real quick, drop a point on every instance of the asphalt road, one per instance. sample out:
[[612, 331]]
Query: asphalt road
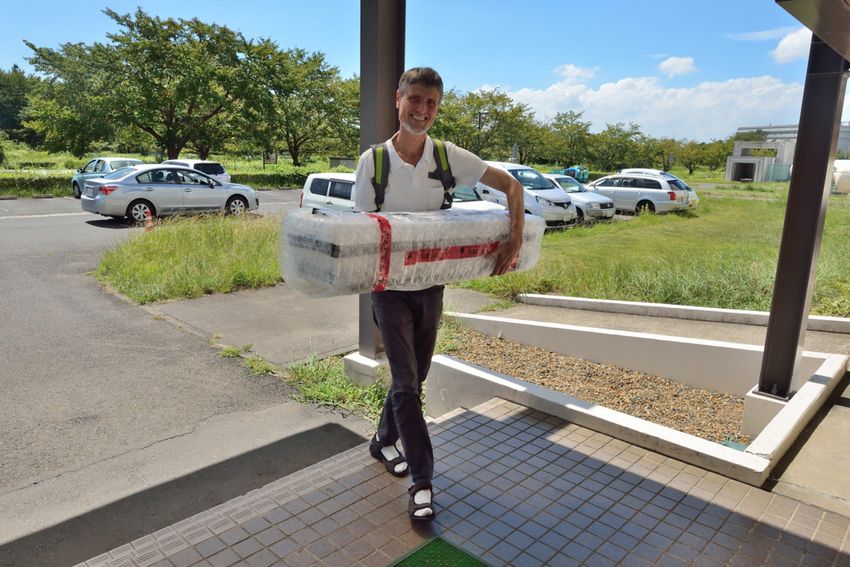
[[101, 399]]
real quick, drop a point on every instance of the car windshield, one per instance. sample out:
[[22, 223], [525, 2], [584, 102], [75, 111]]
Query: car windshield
[[532, 180], [122, 163], [570, 185], [210, 168], [119, 173], [465, 195]]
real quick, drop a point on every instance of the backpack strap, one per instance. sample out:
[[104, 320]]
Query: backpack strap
[[381, 161], [443, 172]]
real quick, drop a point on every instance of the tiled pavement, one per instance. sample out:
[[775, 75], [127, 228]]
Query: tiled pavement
[[514, 487]]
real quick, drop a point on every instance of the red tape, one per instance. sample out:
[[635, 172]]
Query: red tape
[[385, 249], [449, 253]]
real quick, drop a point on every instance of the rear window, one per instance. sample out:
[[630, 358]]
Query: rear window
[[210, 168], [319, 187], [678, 184], [118, 164], [341, 189], [118, 173]]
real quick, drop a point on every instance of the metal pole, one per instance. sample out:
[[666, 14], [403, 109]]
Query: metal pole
[[381, 65], [817, 137]]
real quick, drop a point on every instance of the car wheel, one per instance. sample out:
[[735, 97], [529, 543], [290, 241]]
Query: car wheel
[[137, 211], [645, 207], [236, 206], [579, 216], [77, 192]]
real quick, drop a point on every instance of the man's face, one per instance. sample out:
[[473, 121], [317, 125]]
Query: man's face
[[417, 108]]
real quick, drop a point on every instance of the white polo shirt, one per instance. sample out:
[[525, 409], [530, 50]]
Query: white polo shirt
[[409, 189]]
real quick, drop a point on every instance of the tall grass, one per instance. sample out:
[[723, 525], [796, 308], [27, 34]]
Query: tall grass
[[190, 257], [723, 256]]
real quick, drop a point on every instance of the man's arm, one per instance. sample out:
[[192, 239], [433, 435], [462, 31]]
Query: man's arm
[[502, 181]]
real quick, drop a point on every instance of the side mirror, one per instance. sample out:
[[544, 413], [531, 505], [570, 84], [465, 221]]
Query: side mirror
[[80, 170]]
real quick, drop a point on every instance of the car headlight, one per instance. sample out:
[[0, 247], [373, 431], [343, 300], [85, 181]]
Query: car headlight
[[543, 201], [593, 205]]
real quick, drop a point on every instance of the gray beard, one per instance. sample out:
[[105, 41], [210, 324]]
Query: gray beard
[[412, 130]]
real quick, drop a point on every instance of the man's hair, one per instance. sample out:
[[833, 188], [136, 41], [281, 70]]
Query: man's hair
[[421, 76]]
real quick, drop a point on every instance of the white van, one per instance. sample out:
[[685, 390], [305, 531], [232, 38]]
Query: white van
[[336, 191]]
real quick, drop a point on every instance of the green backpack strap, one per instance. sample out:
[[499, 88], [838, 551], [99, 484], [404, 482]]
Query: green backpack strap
[[381, 161], [443, 172]]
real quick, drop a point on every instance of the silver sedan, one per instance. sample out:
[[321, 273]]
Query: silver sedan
[[163, 190]]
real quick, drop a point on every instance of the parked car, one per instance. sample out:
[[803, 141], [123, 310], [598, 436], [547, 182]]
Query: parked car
[[693, 198], [211, 168], [335, 191], [639, 192], [98, 167], [589, 204], [162, 190], [542, 196], [841, 176]]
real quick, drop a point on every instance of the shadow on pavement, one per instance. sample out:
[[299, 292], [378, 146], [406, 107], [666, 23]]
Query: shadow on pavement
[[108, 223], [110, 526]]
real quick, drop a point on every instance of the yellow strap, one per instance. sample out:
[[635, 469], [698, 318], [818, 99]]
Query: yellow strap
[[379, 164], [444, 160]]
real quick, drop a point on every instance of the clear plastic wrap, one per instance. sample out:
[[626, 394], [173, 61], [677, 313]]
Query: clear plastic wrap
[[330, 252]]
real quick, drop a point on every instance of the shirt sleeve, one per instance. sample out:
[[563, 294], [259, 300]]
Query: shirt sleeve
[[364, 192], [467, 168]]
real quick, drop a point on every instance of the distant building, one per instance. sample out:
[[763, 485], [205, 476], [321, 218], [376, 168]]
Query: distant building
[[760, 161], [781, 133], [771, 160]]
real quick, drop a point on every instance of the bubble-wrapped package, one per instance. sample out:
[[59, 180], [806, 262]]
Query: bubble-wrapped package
[[326, 252]]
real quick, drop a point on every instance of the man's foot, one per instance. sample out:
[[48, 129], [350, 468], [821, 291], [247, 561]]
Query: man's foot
[[420, 507], [393, 461]]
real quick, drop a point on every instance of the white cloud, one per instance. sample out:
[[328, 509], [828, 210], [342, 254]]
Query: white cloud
[[677, 66], [793, 46], [713, 109], [571, 71], [763, 35]]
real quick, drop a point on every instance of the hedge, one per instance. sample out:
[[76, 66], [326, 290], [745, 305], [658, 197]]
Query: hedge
[[34, 183]]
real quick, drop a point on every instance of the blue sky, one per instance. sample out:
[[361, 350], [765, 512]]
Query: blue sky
[[696, 69]]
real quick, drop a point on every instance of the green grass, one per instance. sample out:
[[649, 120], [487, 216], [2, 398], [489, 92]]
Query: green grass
[[722, 256], [192, 256], [323, 381]]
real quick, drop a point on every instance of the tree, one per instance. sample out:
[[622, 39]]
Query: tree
[[300, 103], [692, 155], [174, 80], [716, 153], [758, 135], [15, 85], [487, 122], [68, 109], [571, 142], [613, 147]]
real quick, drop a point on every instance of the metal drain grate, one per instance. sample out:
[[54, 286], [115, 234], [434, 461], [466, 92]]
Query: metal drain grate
[[439, 553]]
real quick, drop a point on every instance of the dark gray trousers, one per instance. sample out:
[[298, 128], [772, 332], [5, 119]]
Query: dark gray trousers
[[408, 321]]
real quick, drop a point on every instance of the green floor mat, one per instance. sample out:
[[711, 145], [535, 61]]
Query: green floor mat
[[439, 553]]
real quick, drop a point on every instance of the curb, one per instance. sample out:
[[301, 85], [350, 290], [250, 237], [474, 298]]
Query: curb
[[737, 316]]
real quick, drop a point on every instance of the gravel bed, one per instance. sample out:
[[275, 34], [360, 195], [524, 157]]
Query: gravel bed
[[711, 415]]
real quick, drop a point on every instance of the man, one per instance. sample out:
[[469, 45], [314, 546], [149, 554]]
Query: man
[[408, 319]]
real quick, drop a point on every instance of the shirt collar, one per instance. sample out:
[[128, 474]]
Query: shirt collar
[[425, 160]]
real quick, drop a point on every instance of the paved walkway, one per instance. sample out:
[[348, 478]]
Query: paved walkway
[[514, 487]]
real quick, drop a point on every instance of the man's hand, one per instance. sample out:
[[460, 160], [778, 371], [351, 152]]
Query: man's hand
[[506, 254]]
